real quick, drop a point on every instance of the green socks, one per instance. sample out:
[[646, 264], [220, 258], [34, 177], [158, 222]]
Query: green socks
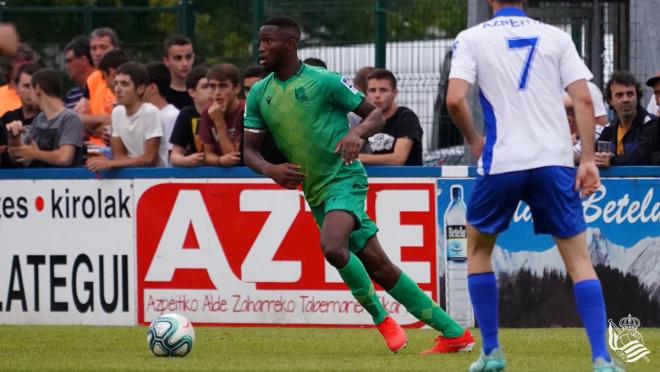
[[356, 278], [408, 293]]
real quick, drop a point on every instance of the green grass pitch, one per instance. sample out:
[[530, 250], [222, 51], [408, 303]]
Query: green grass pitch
[[80, 348]]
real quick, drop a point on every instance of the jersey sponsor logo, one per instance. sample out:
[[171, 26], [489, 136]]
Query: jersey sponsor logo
[[347, 83]]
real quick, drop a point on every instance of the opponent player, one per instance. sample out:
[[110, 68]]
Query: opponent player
[[522, 67], [305, 109]]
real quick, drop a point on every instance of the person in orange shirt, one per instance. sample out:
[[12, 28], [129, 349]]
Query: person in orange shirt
[[9, 99], [99, 100]]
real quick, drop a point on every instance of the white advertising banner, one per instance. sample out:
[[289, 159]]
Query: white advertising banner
[[247, 252], [68, 252]]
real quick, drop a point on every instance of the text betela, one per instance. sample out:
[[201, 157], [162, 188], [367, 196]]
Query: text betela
[[240, 303]]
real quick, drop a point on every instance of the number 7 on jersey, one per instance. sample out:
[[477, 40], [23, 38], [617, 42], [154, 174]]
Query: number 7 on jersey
[[520, 44]]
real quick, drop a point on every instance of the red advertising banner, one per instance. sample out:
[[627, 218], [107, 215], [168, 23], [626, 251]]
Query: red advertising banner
[[249, 253]]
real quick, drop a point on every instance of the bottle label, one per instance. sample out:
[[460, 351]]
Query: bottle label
[[456, 242]]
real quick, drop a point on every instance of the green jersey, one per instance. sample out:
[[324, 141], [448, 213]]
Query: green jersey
[[307, 116]]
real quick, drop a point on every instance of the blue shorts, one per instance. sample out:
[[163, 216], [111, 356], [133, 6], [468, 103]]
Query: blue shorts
[[549, 191]]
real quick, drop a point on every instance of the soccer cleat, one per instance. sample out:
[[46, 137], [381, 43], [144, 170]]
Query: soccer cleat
[[394, 335], [445, 345], [601, 365], [494, 362]]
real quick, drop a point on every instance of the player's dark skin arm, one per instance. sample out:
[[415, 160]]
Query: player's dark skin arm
[[372, 123], [285, 175]]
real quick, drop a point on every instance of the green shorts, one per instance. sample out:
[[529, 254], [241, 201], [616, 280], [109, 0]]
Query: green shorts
[[349, 195]]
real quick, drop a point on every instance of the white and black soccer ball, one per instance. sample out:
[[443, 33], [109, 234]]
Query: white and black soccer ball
[[171, 335]]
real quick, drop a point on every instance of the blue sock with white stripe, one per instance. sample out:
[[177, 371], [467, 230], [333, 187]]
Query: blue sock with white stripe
[[591, 307], [483, 294]]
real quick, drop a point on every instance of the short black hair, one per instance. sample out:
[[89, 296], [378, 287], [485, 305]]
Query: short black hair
[[28, 69], [624, 78], [284, 22], [48, 80], [80, 48], [112, 60], [136, 71], [176, 39], [196, 74], [254, 71], [315, 62], [159, 75], [382, 74]]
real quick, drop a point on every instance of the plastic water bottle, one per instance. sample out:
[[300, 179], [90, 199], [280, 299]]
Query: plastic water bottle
[[458, 299]]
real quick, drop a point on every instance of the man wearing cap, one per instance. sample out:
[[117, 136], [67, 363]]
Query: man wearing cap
[[654, 107]]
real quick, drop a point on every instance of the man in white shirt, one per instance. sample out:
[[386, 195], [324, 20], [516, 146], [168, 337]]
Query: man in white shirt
[[159, 81], [137, 132], [522, 66]]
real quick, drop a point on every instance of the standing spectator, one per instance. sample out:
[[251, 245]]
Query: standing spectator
[[360, 82], [222, 123], [159, 82], [55, 137], [251, 75], [187, 149], [25, 114], [654, 83], [654, 103], [9, 99], [631, 131], [317, 62], [79, 66], [98, 100], [137, 133], [179, 59], [400, 141]]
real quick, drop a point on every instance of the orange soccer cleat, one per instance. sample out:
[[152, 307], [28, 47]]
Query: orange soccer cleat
[[445, 345], [394, 335]]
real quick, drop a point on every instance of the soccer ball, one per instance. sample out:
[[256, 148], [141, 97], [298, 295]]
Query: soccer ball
[[170, 335]]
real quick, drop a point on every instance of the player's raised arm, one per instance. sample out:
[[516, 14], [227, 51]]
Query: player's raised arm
[[459, 109]]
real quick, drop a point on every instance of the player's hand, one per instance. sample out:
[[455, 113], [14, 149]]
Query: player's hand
[[349, 147], [587, 180], [217, 112], [99, 163], [230, 159], [602, 159], [286, 175], [195, 160], [15, 128], [477, 146]]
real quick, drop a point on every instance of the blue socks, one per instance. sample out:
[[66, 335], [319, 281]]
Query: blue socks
[[483, 294], [591, 307]]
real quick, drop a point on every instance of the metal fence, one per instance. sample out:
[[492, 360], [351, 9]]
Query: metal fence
[[410, 37]]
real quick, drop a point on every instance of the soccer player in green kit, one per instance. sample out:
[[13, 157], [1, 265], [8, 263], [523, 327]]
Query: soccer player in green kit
[[305, 110]]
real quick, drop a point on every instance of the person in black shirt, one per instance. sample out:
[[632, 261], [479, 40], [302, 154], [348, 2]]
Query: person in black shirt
[[25, 114], [187, 150], [179, 58], [400, 141]]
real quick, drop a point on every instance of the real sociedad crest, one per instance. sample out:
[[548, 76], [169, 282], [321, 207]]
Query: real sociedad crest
[[626, 341]]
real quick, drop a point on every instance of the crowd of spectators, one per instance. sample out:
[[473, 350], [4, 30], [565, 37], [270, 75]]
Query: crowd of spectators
[[120, 113]]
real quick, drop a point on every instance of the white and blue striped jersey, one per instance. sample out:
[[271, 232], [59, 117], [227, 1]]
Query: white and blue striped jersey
[[522, 68]]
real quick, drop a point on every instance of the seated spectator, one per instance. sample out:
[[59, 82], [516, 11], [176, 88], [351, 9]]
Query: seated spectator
[[600, 116], [25, 114], [269, 149], [137, 132], [159, 82], [400, 141], [631, 131], [79, 66], [55, 137], [315, 62], [221, 127], [187, 150], [179, 58], [9, 99]]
